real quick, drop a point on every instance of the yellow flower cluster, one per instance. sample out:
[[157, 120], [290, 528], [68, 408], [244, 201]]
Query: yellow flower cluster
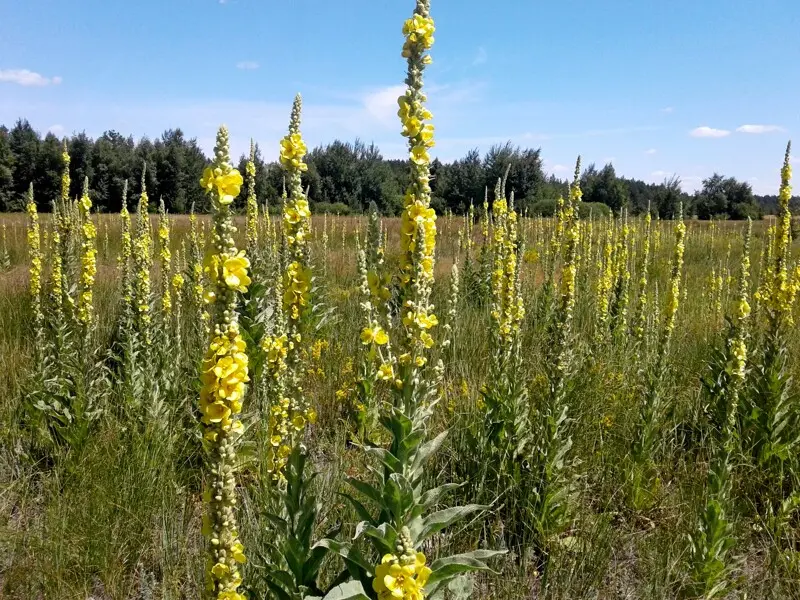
[[296, 290], [275, 349], [142, 261], [419, 32], [166, 257], [571, 233], [402, 577], [293, 150], [230, 272], [674, 291], [508, 309], [640, 321], [35, 253], [252, 203], [88, 262], [56, 275], [779, 290], [223, 375], [605, 281], [226, 184], [65, 179], [126, 250]]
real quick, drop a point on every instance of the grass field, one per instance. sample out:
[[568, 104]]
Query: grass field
[[115, 513], [490, 406]]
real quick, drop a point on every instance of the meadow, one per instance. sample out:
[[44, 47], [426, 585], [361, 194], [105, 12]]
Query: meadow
[[491, 405]]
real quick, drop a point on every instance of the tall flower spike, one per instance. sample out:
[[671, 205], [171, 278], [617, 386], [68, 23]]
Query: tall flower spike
[[252, 202], [290, 410], [126, 250], [165, 256], [35, 284], [418, 221], [223, 375], [674, 292], [142, 261], [88, 262]]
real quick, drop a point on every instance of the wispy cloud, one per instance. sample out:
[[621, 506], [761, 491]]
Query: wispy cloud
[[558, 168], [759, 128], [661, 174], [709, 132], [481, 57], [27, 78], [56, 129], [668, 110], [650, 151], [247, 65], [382, 103]]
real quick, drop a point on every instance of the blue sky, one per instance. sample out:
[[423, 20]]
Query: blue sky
[[657, 87]]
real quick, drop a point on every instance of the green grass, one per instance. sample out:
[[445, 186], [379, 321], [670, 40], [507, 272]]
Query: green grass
[[119, 518]]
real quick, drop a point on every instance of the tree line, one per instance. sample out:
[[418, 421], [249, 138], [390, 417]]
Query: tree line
[[342, 177]]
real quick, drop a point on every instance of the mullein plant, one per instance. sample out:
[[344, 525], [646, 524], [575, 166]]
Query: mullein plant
[[291, 412], [223, 375], [505, 430], [196, 281], [35, 276], [639, 321], [549, 512], [618, 309], [605, 282], [294, 562], [88, 262], [401, 525], [165, 265], [772, 411], [252, 203], [710, 544], [65, 229], [142, 265], [377, 362], [643, 481]]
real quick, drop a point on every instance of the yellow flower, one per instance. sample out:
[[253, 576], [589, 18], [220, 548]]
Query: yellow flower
[[219, 570], [237, 552], [227, 185], [419, 155], [386, 372], [234, 272], [374, 335], [293, 149]]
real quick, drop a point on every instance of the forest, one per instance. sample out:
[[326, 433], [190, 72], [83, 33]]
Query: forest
[[342, 178]]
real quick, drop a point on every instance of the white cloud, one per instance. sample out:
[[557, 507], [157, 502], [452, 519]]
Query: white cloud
[[759, 128], [481, 57], [382, 104], [56, 129], [247, 65], [27, 78], [708, 132], [650, 151], [559, 169], [661, 174], [668, 110]]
